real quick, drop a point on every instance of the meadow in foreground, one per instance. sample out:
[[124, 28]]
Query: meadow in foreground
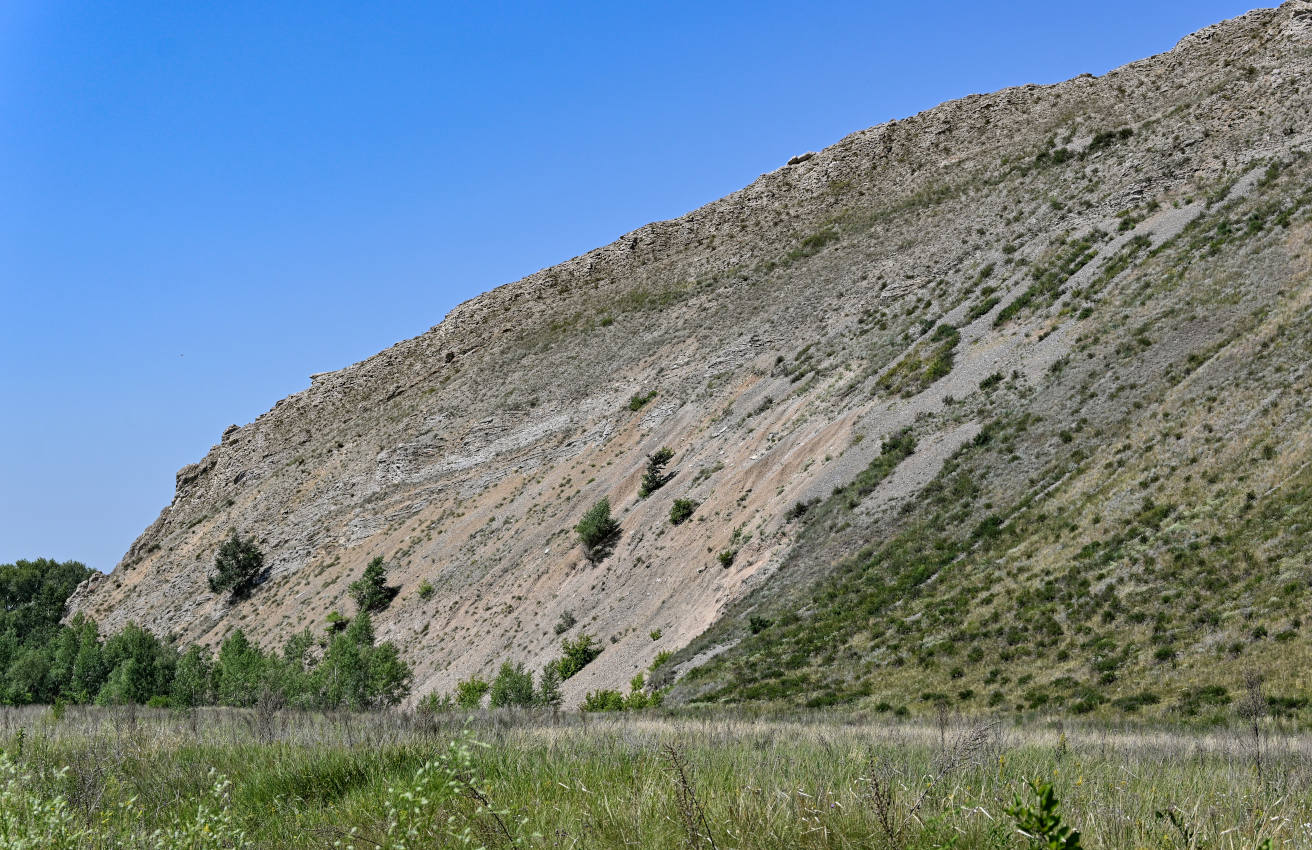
[[100, 778]]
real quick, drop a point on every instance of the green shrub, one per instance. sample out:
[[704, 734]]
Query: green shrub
[[1042, 825], [426, 589], [434, 703], [603, 700], [513, 686], [798, 510], [237, 566], [597, 531], [638, 401], [577, 654], [681, 510], [726, 557], [548, 692], [565, 623], [370, 591], [469, 693]]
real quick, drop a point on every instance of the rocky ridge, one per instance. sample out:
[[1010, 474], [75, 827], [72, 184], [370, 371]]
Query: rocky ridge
[[787, 331]]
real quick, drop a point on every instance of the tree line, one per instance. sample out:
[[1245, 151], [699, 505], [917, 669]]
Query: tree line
[[47, 662]]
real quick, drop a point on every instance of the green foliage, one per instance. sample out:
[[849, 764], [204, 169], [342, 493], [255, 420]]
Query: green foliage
[[426, 590], [598, 530], [895, 449], [611, 700], [356, 674], [1050, 278], [812, 244], [929, 360], [191, 679], [395, 783], [1042, 824], [141, 666], [370, 591], [237, 567], [798, 510], [638, 401], [577, 654], [565, 623], [726, 557], [433, 703], [238, 671], [34, 816], [655, 477], [548, 693], [1107, 138], [681, 510], [33, 595], [512, 687], [603, 700], [446, 804], [469, 693]]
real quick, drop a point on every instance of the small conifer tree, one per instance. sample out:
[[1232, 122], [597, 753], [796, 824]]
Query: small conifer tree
[[237, 566]]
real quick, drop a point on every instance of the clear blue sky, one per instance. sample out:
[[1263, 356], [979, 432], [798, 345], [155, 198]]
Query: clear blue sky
[[201, 204]]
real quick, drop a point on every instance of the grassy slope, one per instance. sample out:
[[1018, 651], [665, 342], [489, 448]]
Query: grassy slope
[[1129, 533]]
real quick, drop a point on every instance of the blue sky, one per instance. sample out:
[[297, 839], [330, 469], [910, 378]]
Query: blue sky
[[202, 204]]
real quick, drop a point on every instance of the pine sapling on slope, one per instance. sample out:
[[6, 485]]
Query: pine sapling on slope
[[656, 477], [370, 591]]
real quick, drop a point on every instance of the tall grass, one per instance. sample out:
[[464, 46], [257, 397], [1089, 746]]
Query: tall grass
[[500, 780]]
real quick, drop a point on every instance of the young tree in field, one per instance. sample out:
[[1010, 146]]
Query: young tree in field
[[238, 671], [237, 566], [513, 686], [191, 678], [358, 675], [141, 666], [469, 693], [548, 693], [89, 669]]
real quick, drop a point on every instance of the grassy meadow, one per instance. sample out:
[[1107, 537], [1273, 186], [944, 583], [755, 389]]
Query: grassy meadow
[[224, 778]]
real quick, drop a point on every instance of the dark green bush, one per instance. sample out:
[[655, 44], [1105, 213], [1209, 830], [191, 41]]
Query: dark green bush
[[370, 591], [655, 477], [577, 654], [513, 686], [681, 510], [237, 566], [597, 531]]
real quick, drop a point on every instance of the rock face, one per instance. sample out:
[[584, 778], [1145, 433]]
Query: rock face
[[786, 331]]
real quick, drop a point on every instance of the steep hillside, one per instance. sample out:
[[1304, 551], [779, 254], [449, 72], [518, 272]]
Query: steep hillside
[[1016, 383]]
